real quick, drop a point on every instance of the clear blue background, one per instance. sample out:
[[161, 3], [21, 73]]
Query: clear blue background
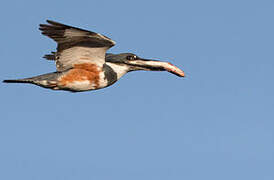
[[217, 123]]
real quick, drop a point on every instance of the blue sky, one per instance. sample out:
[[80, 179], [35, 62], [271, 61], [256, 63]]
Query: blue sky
[[217, 123]]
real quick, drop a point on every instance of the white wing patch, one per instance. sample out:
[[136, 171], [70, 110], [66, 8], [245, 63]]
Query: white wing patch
[[77, 55]]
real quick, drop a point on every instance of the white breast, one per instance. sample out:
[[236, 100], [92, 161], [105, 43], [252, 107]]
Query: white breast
[[80, 85], [102, 80], [119, 69]]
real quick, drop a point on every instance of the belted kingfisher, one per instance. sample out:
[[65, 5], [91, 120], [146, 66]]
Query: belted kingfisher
[[82, 62]]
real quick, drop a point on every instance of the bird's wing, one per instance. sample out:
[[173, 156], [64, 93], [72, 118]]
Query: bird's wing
[[75, 45], [51, 56]]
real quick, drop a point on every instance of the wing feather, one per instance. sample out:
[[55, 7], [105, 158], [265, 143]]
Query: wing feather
[[68, 36], [75, 45]]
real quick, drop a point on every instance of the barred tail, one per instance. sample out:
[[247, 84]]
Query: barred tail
[[45, 80]]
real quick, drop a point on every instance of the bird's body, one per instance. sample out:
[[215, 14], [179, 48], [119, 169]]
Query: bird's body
[[82, 62]]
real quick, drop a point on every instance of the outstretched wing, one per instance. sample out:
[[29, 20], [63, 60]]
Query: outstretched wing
[[75, 45]]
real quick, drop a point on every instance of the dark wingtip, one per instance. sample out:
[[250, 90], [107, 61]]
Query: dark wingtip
[[49, 57], [54, 23], [50, 21]]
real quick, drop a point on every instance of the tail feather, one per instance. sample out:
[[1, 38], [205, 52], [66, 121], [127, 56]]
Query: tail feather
[[18, 81], [44, 80]]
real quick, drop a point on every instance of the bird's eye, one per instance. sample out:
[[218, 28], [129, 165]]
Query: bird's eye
[[132, 57]]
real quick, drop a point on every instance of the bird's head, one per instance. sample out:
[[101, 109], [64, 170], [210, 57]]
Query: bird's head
[[133, 63]]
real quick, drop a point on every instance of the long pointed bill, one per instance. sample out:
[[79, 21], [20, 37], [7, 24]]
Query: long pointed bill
[[154, 65]]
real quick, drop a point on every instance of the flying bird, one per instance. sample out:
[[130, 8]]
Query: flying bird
[[82, 63]]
